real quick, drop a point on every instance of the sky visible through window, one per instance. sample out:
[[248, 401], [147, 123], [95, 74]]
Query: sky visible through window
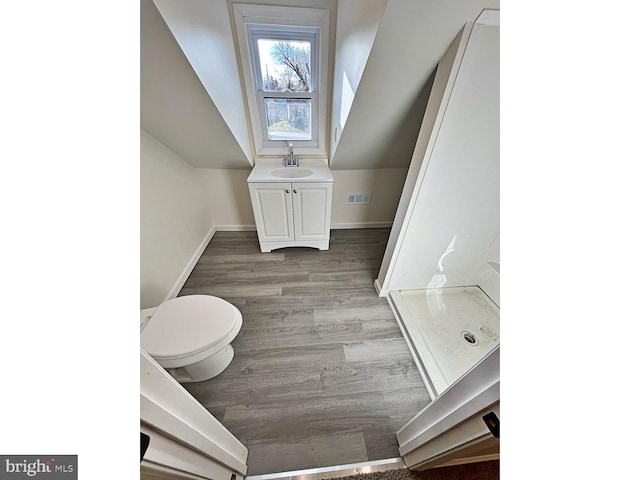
[[276, 74]]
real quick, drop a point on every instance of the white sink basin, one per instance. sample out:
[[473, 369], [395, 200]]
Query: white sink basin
[[291, 172], [314, 170]]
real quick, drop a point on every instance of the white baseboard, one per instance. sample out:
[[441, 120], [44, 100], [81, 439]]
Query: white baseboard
[[379, 290], [235, 228], [342, 226], [182, 279]]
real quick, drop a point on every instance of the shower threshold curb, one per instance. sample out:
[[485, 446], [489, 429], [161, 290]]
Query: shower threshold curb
[[335, 471]]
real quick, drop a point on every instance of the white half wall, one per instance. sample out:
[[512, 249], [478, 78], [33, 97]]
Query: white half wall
[[384, 185], [181, 208], [175, 217], [228, 194]]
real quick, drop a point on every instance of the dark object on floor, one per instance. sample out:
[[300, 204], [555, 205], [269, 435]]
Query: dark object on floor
[[144, 444]]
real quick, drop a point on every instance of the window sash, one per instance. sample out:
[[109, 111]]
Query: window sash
[[262, 112], [299, 34]]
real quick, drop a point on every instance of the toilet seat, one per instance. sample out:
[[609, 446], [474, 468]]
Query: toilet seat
[[186, 326]]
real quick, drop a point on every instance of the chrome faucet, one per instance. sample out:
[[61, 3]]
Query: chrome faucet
[[290, 160]]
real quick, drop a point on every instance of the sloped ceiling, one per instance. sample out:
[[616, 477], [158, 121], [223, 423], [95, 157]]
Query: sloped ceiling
[[380, 123], [383, 122], [174, 106]]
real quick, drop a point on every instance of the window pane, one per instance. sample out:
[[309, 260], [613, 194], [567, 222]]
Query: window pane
[[288, 118], [285, 65]]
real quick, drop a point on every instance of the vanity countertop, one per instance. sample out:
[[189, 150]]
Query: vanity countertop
[[273, 170]]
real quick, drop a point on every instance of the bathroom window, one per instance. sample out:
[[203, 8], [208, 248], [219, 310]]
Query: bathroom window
[[284, 63]]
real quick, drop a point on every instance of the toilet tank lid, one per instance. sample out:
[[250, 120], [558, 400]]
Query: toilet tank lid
[[188, 324]]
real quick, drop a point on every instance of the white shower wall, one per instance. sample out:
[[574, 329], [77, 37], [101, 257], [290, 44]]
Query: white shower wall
[[441, 269], [453, 216]]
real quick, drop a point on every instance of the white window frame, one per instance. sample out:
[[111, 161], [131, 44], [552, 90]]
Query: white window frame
[[276, 32], [288, 23]]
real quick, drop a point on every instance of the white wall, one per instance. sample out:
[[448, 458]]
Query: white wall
[[181, 207], [412, 37], [356, 28], [385, 186], [442, 84], [175, 217], [454, 214], [202, 28], [174, 106], [228, 194], [184, 435]]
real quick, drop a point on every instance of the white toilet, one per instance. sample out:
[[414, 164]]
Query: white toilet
[[191, 336]]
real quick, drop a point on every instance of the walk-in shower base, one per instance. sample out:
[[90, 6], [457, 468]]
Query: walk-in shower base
[[449, 330]]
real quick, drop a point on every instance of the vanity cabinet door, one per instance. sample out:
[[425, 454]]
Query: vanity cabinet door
[[272, 208], [311, 210]]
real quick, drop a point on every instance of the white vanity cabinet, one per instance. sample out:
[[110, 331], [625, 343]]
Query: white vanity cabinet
[[293, 213]]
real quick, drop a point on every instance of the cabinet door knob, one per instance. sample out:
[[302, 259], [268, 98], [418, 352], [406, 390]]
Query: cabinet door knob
[[295, 191], [287, 190]]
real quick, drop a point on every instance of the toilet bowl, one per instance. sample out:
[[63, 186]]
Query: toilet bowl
[[191, 336]]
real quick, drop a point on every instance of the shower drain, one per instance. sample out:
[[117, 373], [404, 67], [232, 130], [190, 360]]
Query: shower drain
[[470, 338]]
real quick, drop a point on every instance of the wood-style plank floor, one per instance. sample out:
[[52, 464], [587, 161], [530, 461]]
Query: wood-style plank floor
[[321, 375]]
